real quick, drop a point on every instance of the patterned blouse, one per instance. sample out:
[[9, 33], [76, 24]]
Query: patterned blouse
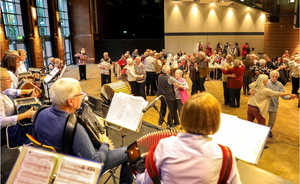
[[261, 70]]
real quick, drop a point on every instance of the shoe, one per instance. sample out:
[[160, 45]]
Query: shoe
[[80, 79], [85, 79], [237, 106], [266, 147], [270, 135], [244, 93], [159, 125], [176, 124], [171, 125], [152, 94], [248, 93]]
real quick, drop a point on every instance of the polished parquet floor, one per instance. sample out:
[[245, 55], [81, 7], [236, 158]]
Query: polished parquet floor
[[282, 156]]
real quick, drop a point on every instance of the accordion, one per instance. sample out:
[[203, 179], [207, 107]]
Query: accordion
[[145, 143], [24, 84], [25, 75], [24, 104]]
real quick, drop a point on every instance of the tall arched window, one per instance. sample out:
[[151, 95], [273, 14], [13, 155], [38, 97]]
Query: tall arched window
[[13, 24], [44, 29], [65, 30]]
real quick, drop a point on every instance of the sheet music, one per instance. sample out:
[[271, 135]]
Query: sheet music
[[36, 168], [126, 110], [245, 139], [75, 171]]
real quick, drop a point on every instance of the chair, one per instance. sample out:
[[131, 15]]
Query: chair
[[36, 143]]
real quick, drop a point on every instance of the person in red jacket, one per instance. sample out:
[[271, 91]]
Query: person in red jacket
[[235, 84], [244, 52]]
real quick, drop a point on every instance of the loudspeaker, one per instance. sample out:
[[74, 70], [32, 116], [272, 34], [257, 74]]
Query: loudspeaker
[[95, 103]]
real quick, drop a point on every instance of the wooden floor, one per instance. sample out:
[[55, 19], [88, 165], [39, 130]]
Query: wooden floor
[[282, 156]]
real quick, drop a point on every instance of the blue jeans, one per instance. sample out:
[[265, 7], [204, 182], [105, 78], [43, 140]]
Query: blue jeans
[[115, 158]]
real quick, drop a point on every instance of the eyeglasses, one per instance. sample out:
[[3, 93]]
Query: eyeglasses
[[83, 94]]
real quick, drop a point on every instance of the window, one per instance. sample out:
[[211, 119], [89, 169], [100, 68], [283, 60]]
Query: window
[[44, 29], [65, 30], [13, 24]]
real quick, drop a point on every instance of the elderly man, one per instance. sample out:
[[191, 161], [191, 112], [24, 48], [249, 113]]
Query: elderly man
[[50, 123], [166, 88], [227, 65], [105, 56], [269, 63], [135, 53], [150, 63]]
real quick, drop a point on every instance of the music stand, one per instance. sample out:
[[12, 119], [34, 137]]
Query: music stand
[[62, 72], [49, 78]]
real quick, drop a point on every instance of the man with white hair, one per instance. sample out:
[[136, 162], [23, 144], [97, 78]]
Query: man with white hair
[[135, 53], [165, 87], [150, 63], [49, 128], [107, 58], [227, 65]]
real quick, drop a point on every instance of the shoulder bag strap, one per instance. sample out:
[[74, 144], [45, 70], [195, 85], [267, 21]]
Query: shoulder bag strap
[[226, 165]]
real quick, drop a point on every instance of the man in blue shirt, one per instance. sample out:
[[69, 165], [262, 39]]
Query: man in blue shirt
[[49, 127]]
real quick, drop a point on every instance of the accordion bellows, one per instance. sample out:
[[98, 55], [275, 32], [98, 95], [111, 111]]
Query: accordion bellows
[[144, 144]]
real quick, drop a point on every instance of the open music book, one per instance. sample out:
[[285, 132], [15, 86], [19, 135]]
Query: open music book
[[245, 139], [40, 166], [126, 111]]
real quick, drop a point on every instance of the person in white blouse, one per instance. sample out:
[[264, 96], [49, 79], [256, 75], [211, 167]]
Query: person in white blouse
[[192, 157], [132, 77], [7, 109], [23, 55]]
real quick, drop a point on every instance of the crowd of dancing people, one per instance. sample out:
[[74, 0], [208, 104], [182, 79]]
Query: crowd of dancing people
[[157, 74]]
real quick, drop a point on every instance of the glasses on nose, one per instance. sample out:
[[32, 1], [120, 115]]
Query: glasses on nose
[[82, 94]]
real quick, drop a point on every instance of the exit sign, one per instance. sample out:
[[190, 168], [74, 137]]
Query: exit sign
[[19, 37]]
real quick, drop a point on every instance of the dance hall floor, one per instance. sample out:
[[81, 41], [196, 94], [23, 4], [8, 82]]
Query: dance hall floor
[[282, 156]]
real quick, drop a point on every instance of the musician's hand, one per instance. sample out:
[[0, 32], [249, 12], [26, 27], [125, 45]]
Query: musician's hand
[[103, 138], [33, 94], [28, 113], [26, 91], [139, 166]]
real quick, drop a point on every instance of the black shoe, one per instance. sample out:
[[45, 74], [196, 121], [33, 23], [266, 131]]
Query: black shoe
[[152, 94], [147, 94], [159, 125], [244, 93], [85, 79], [237, 106], [80, 79], [266, 147], [270, 135], [171, 125]]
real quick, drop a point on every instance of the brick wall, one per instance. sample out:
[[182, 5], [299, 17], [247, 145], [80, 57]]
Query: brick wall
[[4, 46], [36, 43], [281, 36]]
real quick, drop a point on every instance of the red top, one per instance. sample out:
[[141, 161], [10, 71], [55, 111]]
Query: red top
[[237, 82], [122, 62]]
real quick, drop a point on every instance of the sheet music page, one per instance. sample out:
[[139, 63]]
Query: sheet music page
[[126, 110], [245, 139], [76, 171], [36, 168]]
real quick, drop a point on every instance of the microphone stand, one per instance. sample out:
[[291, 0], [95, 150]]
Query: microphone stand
[[155, 107]]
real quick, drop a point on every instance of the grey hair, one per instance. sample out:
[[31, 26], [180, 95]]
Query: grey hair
[[201, 54], [129, 61], [20, 51], [165, 68], [63, 89], [274, 72], [262, 62], [138, 57], [11, 53], [228, 56], [57, 60], [105, 53], [259, 84], [236, 62], [179, 72]]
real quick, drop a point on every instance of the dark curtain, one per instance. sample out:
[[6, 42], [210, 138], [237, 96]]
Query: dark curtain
[[116, 48]]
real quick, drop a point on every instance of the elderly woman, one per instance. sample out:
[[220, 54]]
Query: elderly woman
[[66, 98], [132, 77], [258, 103], [192, 157], [261, 69], [140, 69], [7, 110], [235, 84], [23, 55], [203, 68], [181, 93]]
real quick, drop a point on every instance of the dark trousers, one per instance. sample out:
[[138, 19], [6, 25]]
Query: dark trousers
[[134, 88], [179, 105], [195, 87], [150, 81], [82, 71], [246, 81], [235, 95], [226, 93], [252, 113], [156, 81], [172, 116], [295, 85], [201, 84], [141, 89], [105, 79]]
